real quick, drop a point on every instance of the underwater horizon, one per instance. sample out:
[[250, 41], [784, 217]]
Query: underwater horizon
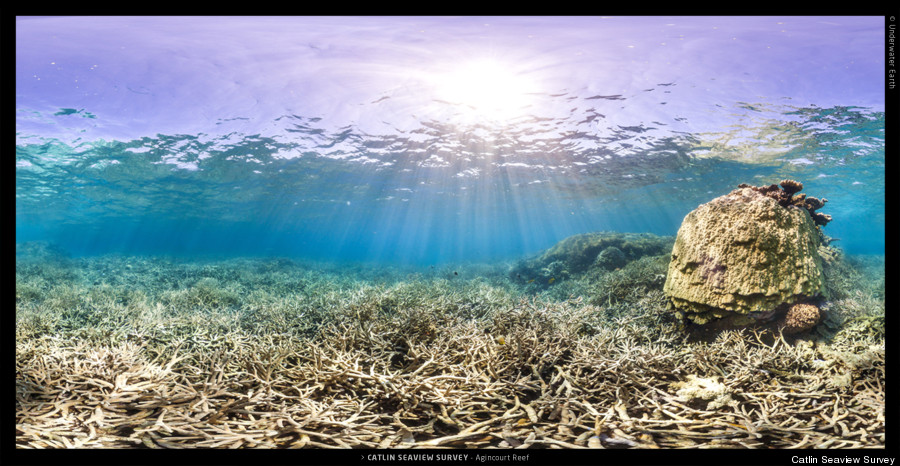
[[428, 140], [547, 233]]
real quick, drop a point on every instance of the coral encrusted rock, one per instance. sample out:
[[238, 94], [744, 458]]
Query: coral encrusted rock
[[745, 255]]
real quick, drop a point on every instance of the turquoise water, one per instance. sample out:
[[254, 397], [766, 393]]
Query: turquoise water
[[433, 140]]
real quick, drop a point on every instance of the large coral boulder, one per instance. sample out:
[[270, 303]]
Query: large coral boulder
[[747, 255]]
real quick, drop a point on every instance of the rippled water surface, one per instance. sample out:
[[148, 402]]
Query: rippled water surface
[[432, 139]]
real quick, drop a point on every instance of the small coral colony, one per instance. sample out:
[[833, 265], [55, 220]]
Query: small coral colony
[[747, 329]]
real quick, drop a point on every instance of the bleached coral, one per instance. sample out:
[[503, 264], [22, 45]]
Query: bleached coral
[[709, 389]]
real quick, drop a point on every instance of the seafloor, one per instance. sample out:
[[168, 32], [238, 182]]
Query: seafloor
[[155, 352]]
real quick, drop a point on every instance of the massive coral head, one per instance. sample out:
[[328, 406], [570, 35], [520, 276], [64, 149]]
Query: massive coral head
[[741, 256]]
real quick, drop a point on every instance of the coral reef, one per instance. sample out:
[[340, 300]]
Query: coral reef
[[785, 197], [744, 254], [708, 389], [800, 318], [41, 251], [138, 352], [586, 254], [611, 258]]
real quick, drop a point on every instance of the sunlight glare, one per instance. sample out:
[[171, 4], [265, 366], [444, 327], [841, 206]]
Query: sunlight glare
[[486, 89]]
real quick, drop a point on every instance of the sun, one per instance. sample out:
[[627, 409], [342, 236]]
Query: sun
[[485, 89]]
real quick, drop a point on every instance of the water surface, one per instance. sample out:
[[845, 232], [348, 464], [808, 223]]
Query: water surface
[[433, 139]]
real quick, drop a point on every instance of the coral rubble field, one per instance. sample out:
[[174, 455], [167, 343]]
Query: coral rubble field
[[555, 352]]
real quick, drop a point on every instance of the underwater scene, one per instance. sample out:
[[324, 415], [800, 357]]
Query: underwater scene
[[504, 233]]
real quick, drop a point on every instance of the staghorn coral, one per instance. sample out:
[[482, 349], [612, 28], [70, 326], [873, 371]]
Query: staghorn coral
[[800, 318], [708, 389], [320, 356]]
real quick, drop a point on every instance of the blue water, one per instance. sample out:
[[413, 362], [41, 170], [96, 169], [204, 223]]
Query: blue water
[[430, 140]]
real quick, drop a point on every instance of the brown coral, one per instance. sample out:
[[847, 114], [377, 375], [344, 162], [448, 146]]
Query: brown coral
[[782, 196], [821, 219], [785, 197], [800, 318], [790, 186], [812, 203]]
